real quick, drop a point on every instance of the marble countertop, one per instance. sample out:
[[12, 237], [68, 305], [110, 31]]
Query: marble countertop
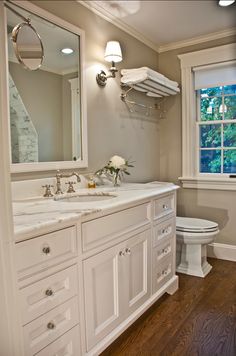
[[34, 214]]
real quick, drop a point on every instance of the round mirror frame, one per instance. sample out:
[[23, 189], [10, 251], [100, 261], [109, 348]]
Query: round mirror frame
[[15, 33]]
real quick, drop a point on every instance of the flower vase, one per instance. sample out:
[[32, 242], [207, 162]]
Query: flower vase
[[116, 179]]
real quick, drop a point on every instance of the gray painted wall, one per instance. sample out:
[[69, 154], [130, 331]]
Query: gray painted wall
[[155, 147], [111, 128], [41, 93], [219, 206]]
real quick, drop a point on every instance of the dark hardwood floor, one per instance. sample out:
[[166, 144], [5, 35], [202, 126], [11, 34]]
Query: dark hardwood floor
[[199, 319]]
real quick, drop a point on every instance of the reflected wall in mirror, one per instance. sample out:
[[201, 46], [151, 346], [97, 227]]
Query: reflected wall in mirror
[[47, 109]]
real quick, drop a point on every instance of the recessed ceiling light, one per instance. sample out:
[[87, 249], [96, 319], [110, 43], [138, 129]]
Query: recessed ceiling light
[[226, 2], [67, 50]]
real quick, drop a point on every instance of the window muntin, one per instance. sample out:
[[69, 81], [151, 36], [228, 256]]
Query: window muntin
[[216, 123]]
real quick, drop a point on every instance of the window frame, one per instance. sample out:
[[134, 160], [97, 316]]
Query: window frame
[[191, 178]]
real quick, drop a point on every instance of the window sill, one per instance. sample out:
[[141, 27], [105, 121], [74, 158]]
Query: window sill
[[208, 183]]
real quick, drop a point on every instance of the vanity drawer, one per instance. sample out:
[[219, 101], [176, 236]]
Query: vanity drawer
[[162, 273], [67, 345], [45, 251], [164, 206], [46, 294], [47, 328], [107, 228], [163, 251], [163, 231]]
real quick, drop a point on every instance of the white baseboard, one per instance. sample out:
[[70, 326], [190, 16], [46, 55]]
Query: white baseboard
[[222, 251]]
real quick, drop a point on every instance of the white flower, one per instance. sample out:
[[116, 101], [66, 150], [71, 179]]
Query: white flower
[[117, 162]]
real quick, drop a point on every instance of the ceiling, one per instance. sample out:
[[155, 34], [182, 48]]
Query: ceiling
[[163, 23]]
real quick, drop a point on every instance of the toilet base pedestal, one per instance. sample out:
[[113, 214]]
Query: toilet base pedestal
[[193, 260]]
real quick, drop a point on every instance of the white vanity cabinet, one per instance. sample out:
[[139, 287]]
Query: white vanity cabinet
[[121, 281], [48, 293], [163, 242], [116, 283], [82, 285]]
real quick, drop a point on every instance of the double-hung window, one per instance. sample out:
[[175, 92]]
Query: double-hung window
[[216, 130], [209, 118]]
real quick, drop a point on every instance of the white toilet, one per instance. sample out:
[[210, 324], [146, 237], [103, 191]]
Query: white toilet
[[193, 236]]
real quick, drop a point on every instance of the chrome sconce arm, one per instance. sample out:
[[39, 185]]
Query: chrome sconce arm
[[102, 76]]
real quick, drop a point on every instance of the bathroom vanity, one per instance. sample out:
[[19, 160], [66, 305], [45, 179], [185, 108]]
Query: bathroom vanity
[[87, 265], [88, 269]]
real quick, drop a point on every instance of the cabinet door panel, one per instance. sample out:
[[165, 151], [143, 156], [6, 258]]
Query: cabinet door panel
[[138, 280], [102, 294]]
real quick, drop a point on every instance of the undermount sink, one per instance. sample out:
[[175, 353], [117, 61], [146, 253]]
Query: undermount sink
[[83, 198], [32, 200]]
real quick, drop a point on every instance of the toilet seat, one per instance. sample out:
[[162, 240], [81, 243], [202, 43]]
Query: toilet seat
[[193, 225]]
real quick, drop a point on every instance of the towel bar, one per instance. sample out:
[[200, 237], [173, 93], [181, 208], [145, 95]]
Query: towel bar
[[125, 99]]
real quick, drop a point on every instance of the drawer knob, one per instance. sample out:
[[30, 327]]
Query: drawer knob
[[51, 325], [121, 253], [165, 207], [128, 251], [46, 250], [49, 292]]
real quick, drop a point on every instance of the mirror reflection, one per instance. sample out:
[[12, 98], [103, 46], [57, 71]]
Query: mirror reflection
[[28, 46], [45, 105]]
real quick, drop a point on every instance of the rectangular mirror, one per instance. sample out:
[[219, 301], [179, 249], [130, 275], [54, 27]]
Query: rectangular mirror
[[47, 106]]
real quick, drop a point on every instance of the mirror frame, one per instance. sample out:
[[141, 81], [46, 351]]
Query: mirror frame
[[49, 166]]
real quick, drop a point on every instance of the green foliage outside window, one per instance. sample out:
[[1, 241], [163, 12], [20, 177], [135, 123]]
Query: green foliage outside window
[[218, 104]]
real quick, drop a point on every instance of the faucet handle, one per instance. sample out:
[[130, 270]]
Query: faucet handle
[[71, 188], [48, 192]]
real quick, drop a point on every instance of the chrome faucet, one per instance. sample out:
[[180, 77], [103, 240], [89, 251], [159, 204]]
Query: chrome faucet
[[60, 175]]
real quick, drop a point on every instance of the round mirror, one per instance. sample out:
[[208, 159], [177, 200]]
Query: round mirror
[[28, 46]]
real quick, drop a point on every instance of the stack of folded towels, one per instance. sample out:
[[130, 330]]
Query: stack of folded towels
[[149, 81]]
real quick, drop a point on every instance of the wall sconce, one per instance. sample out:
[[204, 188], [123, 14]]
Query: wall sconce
[[112, 54]]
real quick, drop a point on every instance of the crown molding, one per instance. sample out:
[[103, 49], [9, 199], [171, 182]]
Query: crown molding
[[196, 40], [100, 11]]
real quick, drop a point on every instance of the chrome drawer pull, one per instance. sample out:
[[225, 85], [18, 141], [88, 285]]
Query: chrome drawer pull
[[121, 253], [49, 292], [46, 250], [51, 325], [165, 231]]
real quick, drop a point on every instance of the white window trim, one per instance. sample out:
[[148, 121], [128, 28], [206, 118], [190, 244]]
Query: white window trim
[[190, 177]]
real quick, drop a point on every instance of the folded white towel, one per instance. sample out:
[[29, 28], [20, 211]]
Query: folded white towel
[[153, 95], [150, 84], [136, 75], [141, 70], [136, 87], [171, 82], [134, 79]]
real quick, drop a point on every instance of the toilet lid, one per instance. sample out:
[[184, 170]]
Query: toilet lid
[[195, 225]]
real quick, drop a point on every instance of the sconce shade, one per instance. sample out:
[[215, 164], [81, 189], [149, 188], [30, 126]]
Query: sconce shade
[[113, 52]]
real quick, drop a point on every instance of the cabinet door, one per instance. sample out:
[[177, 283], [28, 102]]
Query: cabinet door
[[103, 285], [138, 279]]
